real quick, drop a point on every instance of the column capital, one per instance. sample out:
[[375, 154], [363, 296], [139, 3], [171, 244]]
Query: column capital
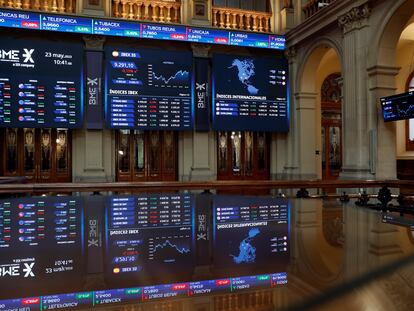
[[356, 18], [93, 42], [291, 53], [200, 50]]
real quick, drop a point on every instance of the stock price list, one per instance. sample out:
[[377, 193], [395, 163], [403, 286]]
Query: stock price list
[[148, 89]]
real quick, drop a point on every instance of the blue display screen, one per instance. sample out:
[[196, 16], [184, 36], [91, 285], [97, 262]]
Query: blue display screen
[[135, 248], [250, 93], [148, 89], [85, 25], [41, 84], [398, 107], [149, 237], [66, 24], [116, 28], [250, 232]]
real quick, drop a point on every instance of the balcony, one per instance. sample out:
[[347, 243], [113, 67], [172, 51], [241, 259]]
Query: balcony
[[154, 11], [56, 6], [314, 6], [241, 19]]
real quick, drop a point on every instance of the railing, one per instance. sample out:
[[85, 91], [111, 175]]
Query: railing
[[314, 6], [60, 6], [206, 185], [241, 19], [154, 11]]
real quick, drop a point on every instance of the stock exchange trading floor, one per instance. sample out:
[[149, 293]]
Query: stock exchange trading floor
[[188, 251]]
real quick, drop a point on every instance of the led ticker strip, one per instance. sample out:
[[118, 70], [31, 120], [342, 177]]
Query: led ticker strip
[[146, 293], [86, 25]]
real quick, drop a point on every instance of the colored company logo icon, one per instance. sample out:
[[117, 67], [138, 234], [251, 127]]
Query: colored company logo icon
[[116, 270], [115, 53]]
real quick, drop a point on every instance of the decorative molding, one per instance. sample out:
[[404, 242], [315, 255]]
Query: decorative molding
[[291, 53], [200, 50], [356, 18], [93, 42]]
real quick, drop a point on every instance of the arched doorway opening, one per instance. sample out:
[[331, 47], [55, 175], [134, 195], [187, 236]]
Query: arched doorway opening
[[319, 102]]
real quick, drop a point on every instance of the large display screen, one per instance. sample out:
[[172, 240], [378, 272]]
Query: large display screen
[[40, 84], [132, 29], [250, 93], [150, 237], [398, 107], [148, 89], [31, 228], [143, 248], [250, 232]]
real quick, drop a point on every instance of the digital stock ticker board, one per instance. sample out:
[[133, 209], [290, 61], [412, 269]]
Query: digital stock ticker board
[[398, 107], [148, 89], [41, 84], [250, 93], [113, 250]]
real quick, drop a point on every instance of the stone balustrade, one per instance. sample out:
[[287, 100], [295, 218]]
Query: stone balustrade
[[241, 19], [59, 6], [154, 11], [314, 6]]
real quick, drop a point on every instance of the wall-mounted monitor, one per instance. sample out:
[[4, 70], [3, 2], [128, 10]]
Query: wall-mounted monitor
[[41, 84], [148, 89], [250, 93], [398, 107]]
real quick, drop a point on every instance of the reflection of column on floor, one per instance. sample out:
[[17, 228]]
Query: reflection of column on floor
[[368, 242]]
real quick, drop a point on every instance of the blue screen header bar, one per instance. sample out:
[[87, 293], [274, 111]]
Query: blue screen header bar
[[121, 28]]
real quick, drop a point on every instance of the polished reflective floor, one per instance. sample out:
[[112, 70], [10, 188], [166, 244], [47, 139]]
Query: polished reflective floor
[[188, 251]]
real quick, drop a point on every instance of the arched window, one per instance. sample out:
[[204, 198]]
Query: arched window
[[409, 132], [250, 5]]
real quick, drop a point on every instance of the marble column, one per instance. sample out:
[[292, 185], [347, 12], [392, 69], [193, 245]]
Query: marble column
[[354, 25], [291, 168], [305, 110], [381, 84]]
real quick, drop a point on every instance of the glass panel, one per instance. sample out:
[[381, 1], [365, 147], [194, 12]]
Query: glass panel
[[249, 152], [219, 3], [222, 154], [154, 151], [45, 144], [411, 126], [261, 151], [62, 150], [323, 148], [260, 5], [236, 147], [334, 148], [29, 151], [123, 151], [168, 150], [233, 3], [139, 151], [248, 4], [11, 146]]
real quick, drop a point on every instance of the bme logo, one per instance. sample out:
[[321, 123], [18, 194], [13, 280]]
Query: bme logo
[[14, 55], [15, 270]]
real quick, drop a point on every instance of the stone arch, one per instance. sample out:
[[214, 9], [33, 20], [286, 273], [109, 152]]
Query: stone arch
[[385, 42], [317, 58], [312, 57]]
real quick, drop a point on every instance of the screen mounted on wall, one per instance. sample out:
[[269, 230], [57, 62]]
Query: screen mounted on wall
[[250, 93], [40, 84], [148, 89], [398, 107]]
